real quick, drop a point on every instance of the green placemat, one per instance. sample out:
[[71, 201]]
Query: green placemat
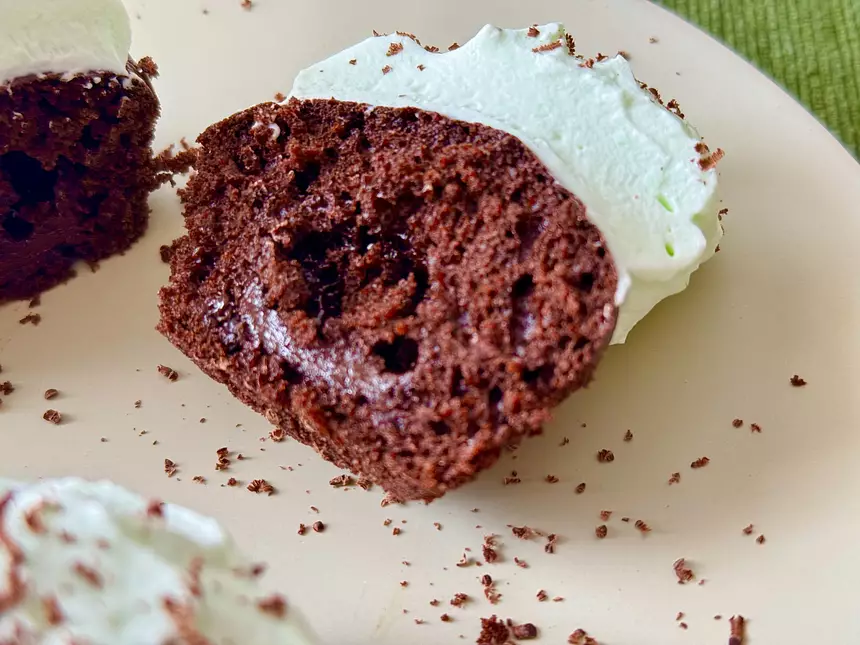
[[811, 47]]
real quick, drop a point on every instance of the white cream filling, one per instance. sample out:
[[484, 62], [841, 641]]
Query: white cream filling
[[631, 161], [107, 565], [66, 37]]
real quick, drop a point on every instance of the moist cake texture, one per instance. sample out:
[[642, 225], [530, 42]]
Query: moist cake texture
[[406, 293], [76, 167]]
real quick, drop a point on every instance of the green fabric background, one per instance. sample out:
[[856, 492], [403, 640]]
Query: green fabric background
[[811, 47]]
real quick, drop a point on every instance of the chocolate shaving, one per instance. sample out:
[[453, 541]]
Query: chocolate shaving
[[394, 49], [682, 571], [605, 456], [168, 373], [675, 478], [701, 462], [50, 394], [548, 47], [31, 318], [52, 416], [533, 32]]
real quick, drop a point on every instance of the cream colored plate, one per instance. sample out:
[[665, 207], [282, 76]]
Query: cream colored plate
[[782, 298]]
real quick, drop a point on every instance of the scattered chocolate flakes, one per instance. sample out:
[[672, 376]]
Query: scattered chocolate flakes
[[548, 47], [551, 539], [168, 373], [318, 527], [754, 427], [797, 381], [701, 462], [601, 531], [737, 423], [277, 435], [377, 34], [394, 49], [577, 637], [558, 599], [388, 500], [486, 579], [302, 529], [760, 539], [138, 403], [459, 600], [52, 416], [341, 480], [404, 583], [737, 626], [353, 61], [490, 554], [50, 394], [261, 486], [418, 621], [551, 479], [165, 252], [396, 531], [628, 436], [421, 68], [605, 515], [523, 532], [675, 478], [274, 605], [679, 615], [432, 49], [364, 483], [710, 161], [465, 561], [653, 40], [642, 526], [386, 69], [682, 571], [31, 318], [437, 526], [541, 595], [683, 625], [434, 603], [6, 388], [748, 530], [524, 632], [445, 618], [718, 617], [89, 574], [571, 45], [533, 32], [564, 441], [605, 456], [232, 482], [580, 489], [522, 564], [386, 522], [170, 467], [199, 479], [493, 632], [453, 46]]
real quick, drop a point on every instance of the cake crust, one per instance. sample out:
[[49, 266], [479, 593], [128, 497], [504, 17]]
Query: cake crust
[[406, 293], [76, 168]]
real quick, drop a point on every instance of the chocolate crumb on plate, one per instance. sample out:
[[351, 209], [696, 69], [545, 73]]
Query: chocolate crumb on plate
[[675, 478], [386, 69], [605, 515], [737, 423], [679, 615], [168, 373], [493, 632], [737, 627], [247, 5], [755, 428], [524, 632], [138, 403], [580, 489], [52, 416], [394, 49], [353, 61], [605, 456], [165, 252], [318, 527], [683, 625], [760, 539], [199, 479], [682, 571], [6, 388], [797, 381], [445, 618], [551, 479], [642, 526], [542, 595], [533, 32], [601, 531], [548, 47], [396, 531], [522, 564], [31, 318], [564, 441], [628, 436], [701, 462], [551, 539], [170, 467], [51, 393], [302, 529], [748, 529], [459, 599]]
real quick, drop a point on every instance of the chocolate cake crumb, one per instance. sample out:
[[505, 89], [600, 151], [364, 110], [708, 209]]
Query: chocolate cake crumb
[[277, 435], [394, 49], [364, 483], [53, 416], [340, 481], [551, 539], [353, 61], [247, 5], [683, 625], [459, 600], [493, 632], [404, 583], [434, 603], [653, 40], [737, 423], [754, 427], [625, 519], [601, 531], [748, 529], [523, 532], [168, 373], [274, 605], [418, 621], [280, 97], [170, 467], [386, 69], [302, 529], [486, 580], [396, 531], [682, 571], [437, 526], [564, 441], [31, 318], [490, 554], [261, 486], [710, 161], [679, 615], [737, 627], [551, 479], [50, 394], [453, 46], [522, 564], [138, 403], [232, 482], [6, 388], [605, 515], [628, 436], [53, 614], [760, 539], [642, 526], [421, 68], [165, 252], [605, 456], [512, 479], [148, 66], [701, 462], [675, 478], [542, 595], [198, 479], [533, 32], [432, 49], [718, 617], [318, 527], [580, 488], [548, 47], [445, 618], [524, 632], [576, 638], [797, 381]]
